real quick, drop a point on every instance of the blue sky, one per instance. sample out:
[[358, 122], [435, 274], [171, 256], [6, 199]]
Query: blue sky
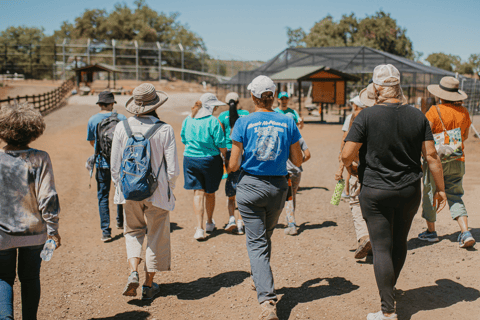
[[256, 30]]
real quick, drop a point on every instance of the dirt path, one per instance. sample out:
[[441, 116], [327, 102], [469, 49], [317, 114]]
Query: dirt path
[[316, 276]]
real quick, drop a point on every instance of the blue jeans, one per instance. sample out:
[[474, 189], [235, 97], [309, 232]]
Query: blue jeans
[[104, 180], [29, 262]]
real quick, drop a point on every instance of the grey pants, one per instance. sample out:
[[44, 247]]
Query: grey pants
[[260, 201]]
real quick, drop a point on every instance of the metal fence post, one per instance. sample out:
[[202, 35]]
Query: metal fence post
[[55, 61], [183, 60], [88, 51], [136, 59], [159, 61], [113, 54], [64, 58]]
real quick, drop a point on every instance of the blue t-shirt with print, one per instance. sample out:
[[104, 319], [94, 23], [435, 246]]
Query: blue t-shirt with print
[[266, 138], [92, 134]]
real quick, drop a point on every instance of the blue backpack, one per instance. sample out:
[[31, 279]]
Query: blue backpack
[[137, 180]]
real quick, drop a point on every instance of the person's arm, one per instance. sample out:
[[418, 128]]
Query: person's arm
[[116, 155], [296, 155], [349, 154], [92, 143], [171, 157], [435, 166], [91, 133], [235, 157], [48, 203], [306, 155]]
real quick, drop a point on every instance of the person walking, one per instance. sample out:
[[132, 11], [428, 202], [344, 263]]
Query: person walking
[[353, 186], [450, 116], [227, 121], [106, 100], [391, 137], [149, 217], [29, 207], [283, 108], [205, 145], [266, 140]]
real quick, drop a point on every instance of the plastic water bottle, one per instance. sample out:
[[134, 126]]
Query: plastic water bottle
[[48, 249], [337, 195]]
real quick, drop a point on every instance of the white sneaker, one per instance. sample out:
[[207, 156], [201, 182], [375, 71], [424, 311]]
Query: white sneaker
[[199, 234], [231, 225], [240, 227], [380, 316], [210, 226]]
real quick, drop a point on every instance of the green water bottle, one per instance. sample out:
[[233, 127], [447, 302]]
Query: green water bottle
[[337, 195]]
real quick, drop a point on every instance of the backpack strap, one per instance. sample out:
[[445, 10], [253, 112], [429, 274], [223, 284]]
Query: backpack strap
[[127, 128], [440, 117], [153, 129]]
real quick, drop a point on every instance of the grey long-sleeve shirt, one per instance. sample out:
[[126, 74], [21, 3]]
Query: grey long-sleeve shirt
[[161, 143], [29, 206]]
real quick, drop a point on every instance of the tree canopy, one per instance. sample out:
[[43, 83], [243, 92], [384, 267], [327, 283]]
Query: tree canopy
[[454, 63], [379, 31]]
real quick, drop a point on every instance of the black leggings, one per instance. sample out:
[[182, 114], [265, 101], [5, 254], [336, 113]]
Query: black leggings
[[389, 215]]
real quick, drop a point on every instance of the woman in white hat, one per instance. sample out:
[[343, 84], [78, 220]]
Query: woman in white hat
[[391, 137], [266, 139], [449, 115], [227, 121], [204, 141]]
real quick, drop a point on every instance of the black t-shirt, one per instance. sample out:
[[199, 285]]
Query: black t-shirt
[[391, 135]]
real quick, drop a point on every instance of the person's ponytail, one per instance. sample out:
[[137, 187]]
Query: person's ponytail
[[233, 112]]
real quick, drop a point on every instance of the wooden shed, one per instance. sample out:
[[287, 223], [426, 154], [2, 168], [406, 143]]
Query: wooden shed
[[85, 74]]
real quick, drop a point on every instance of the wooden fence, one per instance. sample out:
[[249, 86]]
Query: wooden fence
[[49, 101]]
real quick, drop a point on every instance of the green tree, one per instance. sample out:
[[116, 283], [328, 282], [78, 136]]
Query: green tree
[[379, 31], [444, 61], [295, 37]]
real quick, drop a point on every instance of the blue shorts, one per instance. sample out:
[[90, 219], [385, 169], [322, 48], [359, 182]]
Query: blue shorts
[[203, 173], [232, 181]]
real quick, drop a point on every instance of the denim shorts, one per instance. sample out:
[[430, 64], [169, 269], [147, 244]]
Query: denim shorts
[[203, 173]]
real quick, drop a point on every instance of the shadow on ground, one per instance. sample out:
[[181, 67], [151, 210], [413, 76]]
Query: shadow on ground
[[311, 188], [416, 243], [117, 237], [129, 315], [198, 289], [445, 294], [311, 290], [306, 226], [174, 226]]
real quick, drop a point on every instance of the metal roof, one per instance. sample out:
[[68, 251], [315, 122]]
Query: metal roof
[[304, 73], [98, 67]]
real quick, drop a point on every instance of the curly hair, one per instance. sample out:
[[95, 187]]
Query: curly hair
[[20, 124], [265, 102]]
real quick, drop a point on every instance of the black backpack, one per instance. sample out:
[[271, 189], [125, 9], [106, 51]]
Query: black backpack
[[105, 130]]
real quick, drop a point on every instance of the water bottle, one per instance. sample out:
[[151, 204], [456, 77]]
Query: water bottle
[[47, 251], [337, 195]]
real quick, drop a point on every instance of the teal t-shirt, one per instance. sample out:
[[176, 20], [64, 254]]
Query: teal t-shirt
[[202, 137], [296, 116], [224, 118]]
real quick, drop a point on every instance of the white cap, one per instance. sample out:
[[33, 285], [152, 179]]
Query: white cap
[[384, 72], [209, 102], [260, 85], [232, 96], [356, 100]]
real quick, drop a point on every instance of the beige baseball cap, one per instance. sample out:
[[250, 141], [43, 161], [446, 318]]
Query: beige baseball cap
[[384, 72]]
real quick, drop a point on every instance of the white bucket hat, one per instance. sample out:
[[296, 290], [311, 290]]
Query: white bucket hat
[[209, 102], [260, 85], [356, 101], [384, 72]]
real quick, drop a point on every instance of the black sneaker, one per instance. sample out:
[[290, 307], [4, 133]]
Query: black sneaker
[[148, 293], [132, 285], [106, 238]]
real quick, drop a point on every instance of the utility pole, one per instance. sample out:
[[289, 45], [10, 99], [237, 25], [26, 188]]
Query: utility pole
[[183, 60]]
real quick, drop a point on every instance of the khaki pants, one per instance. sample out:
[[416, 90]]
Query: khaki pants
[[358, 221], [143, 219]]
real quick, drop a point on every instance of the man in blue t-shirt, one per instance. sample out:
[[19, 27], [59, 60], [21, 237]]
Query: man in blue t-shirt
[[103, 175]]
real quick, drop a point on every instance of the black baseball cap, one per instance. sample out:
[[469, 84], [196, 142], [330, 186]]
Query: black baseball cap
[[106, 97]]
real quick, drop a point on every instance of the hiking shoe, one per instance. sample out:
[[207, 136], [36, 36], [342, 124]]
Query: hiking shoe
[[364, 247], [428, 236], [148, 293], [380, 316], [466, 240], [240, 227], [199, 234], [291, 230], [132, 285], [106, 238], [210, 226], [269, 310], [231, 225]]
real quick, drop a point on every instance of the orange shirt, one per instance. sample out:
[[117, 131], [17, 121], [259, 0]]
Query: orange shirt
[[453, 117]]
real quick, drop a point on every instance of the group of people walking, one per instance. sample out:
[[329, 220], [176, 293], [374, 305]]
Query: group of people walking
[[262, 153]]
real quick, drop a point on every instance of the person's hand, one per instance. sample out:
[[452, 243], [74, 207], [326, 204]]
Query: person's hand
[[57, 240], [339, 173], [300, 123], [439, 200], [353, 169]]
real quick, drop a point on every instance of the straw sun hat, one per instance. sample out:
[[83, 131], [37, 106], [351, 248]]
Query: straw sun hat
[[367, 96], [448, 90], [145, 99]]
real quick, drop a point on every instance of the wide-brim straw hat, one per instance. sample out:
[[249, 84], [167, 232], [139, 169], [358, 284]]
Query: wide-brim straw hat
[[145, 99], [367, 96], [448, 89]]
